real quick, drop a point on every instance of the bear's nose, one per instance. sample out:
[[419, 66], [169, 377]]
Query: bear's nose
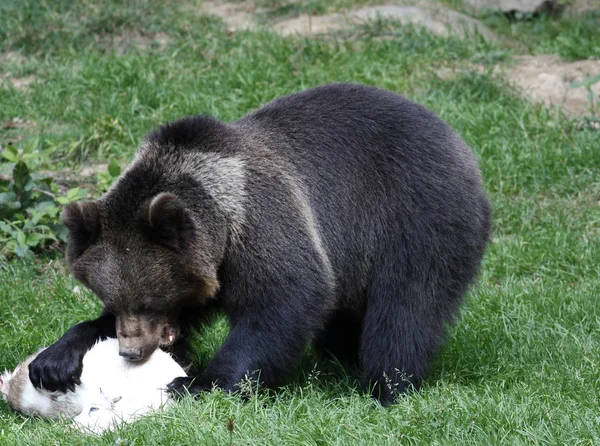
[[132, 354]]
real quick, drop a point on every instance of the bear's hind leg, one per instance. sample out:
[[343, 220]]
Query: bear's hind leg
[[407, 311]]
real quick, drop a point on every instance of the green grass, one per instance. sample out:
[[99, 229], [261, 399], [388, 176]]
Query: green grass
[[522, 364]]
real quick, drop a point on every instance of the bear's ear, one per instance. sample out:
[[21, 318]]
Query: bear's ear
[[83, 221], [170, 221]]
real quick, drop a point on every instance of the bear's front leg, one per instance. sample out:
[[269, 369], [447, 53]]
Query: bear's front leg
[[59, 367], [262, 345]]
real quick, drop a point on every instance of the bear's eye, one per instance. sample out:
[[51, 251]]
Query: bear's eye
[[93, 409]]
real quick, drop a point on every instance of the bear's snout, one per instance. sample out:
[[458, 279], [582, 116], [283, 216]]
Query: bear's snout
[[136, 348], [139, 336], [131, 354]]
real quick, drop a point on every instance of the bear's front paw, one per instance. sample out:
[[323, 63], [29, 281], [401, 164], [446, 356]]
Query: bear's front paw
[[183, 385], [56, 369]]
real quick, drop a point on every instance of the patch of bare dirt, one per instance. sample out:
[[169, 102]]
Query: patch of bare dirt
[[542, 78], [12, 57], [432, 16], [128, 40], [20, 83], [435, 18], [91, 170], [237, 16], [307, 24], [17, 123], [547, 79]]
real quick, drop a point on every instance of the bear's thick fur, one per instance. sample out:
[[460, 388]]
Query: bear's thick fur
[[344, 215]]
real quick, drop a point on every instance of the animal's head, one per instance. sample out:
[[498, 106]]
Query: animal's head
[[147, 255], [18, 391], [15, 385], [100, 414], [5, 384]]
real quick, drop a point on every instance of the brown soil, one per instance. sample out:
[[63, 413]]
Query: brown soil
[[237, 16], [547, 79]]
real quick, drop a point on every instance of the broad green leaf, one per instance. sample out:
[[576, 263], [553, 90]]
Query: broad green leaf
[[587, 82], [30, 224], [61, 231], [593, 80], [47, 208], [11, 154], [6, 169], [9, 246], [8, 199], [21, 238], [9, 204], [21, 251], [6, 228], [34, 239], [72, 193]]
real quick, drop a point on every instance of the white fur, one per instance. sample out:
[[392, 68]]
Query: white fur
[[113, 390]]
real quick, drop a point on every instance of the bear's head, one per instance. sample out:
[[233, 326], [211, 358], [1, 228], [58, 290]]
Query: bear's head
[[147, 258]]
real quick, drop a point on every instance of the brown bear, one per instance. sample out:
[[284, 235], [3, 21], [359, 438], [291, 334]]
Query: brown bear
[[344, 215]]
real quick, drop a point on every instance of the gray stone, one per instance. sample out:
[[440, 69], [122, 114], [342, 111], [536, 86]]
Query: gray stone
[[441, 21], [576, 7], [524, 6]]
